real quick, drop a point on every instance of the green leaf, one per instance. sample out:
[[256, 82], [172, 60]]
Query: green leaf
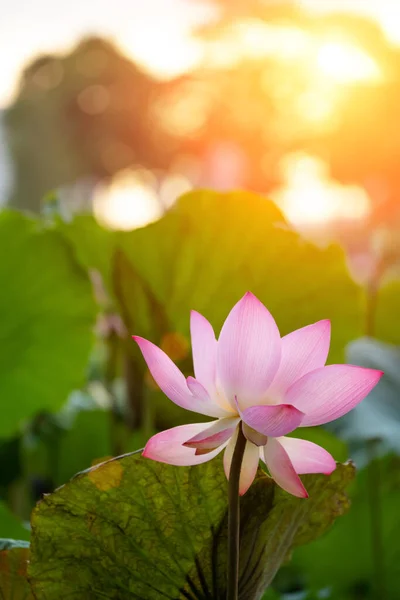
[[387, 322], [10, 460], [87, 440], [205, 254], [10, 525], [211, 248], [133, 528], [92, 244], [271, 594], [14, 584], [345, 560], [48, 311], [67, 442]]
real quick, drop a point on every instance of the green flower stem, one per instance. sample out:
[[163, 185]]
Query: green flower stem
[[372, 295], [234, 518]]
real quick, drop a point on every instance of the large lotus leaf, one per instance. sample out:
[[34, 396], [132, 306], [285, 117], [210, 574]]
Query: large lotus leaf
[[14, 584], [211, 248], [133, 528], [205, 253], [93, 245], [47, 312]]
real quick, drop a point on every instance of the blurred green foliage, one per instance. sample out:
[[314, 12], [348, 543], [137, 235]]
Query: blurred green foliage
[[10, 526], [48, 315], [387, 324], [351, 540]]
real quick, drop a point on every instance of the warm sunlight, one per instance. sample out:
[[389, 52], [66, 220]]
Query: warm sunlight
[[129, 202], [385, 13], [172, 187], [310, 197], [389, 19], [255, 39], [337, 59], [136, 198], [143, 36], [345, 63], [180, 52], [327, 64]]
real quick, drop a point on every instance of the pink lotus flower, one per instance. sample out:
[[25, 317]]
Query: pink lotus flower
[[271, 385]]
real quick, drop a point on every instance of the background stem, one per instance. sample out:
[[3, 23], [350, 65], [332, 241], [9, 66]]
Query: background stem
[[375, 507], [373, 468], [110, 374], [372, 297], [234, 517]]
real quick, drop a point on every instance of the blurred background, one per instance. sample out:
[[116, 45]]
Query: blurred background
[[124, 109], [111, 111]]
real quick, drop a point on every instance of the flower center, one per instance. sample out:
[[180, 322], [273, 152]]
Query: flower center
[[222, 401]]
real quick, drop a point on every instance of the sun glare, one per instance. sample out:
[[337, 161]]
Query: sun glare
[[165, 53], [390, 23], [129, 202], [336, 60], [345, 63], [255, 39], [385, 13], [137, 198], [173, 186], [310, 197]]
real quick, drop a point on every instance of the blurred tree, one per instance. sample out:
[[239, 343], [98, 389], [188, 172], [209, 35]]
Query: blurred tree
[[83, 114]]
